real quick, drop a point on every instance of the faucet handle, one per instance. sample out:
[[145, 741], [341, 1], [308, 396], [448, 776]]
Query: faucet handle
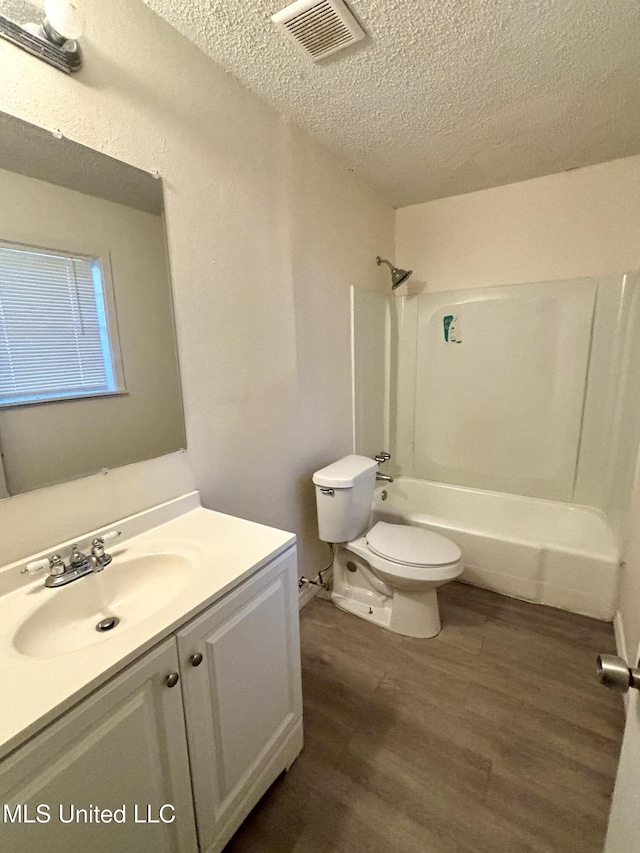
[[98, 559], [35, 566], [56, 565], [97, 546], [383, 456], [112, 534], [107, 537]]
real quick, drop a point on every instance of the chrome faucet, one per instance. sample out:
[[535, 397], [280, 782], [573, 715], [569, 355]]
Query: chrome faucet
[[79, 564], [381, 457]]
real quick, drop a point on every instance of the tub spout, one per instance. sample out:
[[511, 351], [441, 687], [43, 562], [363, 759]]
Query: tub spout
[[385, 477]]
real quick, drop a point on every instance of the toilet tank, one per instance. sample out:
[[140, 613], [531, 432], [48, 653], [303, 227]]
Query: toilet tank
[[344, 494]]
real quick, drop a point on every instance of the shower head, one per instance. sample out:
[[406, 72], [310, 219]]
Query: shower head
[[398, 276]]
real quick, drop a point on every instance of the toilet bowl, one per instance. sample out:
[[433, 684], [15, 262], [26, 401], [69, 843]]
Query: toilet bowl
[[387, 573]]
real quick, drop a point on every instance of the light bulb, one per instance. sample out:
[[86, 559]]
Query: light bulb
[[65, 17]]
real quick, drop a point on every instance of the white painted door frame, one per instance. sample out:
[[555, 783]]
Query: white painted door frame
[[622, 834]]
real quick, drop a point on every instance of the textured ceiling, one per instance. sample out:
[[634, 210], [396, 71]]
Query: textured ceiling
[[444, 96]]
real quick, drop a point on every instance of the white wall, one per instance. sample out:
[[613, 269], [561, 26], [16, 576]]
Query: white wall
[[580, 223], [266, 234]]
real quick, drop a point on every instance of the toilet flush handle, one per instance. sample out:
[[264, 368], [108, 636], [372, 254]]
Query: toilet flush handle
[[329, 492]]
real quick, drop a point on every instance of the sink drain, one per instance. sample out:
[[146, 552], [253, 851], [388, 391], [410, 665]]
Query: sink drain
[[107, 624]]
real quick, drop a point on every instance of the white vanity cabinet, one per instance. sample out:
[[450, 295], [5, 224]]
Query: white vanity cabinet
[[205, 735], [125, 745], [240, 664]]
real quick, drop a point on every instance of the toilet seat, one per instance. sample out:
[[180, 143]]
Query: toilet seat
[[412, 546]]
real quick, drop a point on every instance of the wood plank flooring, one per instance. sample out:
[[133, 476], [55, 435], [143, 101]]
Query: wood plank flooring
[[493, 736]]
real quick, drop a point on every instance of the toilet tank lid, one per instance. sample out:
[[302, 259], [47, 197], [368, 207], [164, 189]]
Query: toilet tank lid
[[345, 472]]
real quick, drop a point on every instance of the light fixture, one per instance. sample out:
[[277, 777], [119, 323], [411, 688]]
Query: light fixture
[[55, 40]]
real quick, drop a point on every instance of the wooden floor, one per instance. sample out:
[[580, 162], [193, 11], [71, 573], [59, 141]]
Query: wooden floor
[[493, 736]]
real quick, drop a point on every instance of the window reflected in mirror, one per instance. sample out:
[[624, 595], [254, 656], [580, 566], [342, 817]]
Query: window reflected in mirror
[[89, 375]]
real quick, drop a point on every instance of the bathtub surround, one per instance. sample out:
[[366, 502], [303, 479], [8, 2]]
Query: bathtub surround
[[252, 205], [537, 398], [438, 401], [374, 343], [473, 425], [576, 224], [515, 433]]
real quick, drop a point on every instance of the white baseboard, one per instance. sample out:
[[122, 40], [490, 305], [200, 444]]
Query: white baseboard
[[306, 593]]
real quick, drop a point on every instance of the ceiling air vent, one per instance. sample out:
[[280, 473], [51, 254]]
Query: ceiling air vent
[[319, 27]]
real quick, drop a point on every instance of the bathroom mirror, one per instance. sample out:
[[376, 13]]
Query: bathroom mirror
[[60, 199]]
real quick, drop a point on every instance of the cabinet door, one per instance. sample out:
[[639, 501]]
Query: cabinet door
[[243, 703], [124, 748]]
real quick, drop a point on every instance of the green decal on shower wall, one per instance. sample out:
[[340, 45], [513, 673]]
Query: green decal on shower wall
[[447, 320]]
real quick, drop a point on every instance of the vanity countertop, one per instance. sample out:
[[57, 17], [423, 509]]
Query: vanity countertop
[[218, 551]]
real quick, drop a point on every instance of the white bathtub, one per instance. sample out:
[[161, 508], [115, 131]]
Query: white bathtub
[[544, 551]]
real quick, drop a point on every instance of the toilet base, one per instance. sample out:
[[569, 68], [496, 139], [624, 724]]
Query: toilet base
[[412, 614], [415, 614], [377, 614]]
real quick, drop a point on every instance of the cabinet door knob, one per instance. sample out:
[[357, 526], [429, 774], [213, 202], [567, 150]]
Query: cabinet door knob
[[173, 679], [196, 659]]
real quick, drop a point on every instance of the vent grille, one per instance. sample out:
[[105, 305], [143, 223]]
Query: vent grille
[[319, 27]]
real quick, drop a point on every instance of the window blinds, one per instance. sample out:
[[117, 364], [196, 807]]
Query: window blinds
[[54, 340]]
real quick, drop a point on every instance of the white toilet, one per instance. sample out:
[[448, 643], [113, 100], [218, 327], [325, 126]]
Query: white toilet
[[388, 574]]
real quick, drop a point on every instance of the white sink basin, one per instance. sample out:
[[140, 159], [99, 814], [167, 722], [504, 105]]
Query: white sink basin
[[173, 560], [131, 589]]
